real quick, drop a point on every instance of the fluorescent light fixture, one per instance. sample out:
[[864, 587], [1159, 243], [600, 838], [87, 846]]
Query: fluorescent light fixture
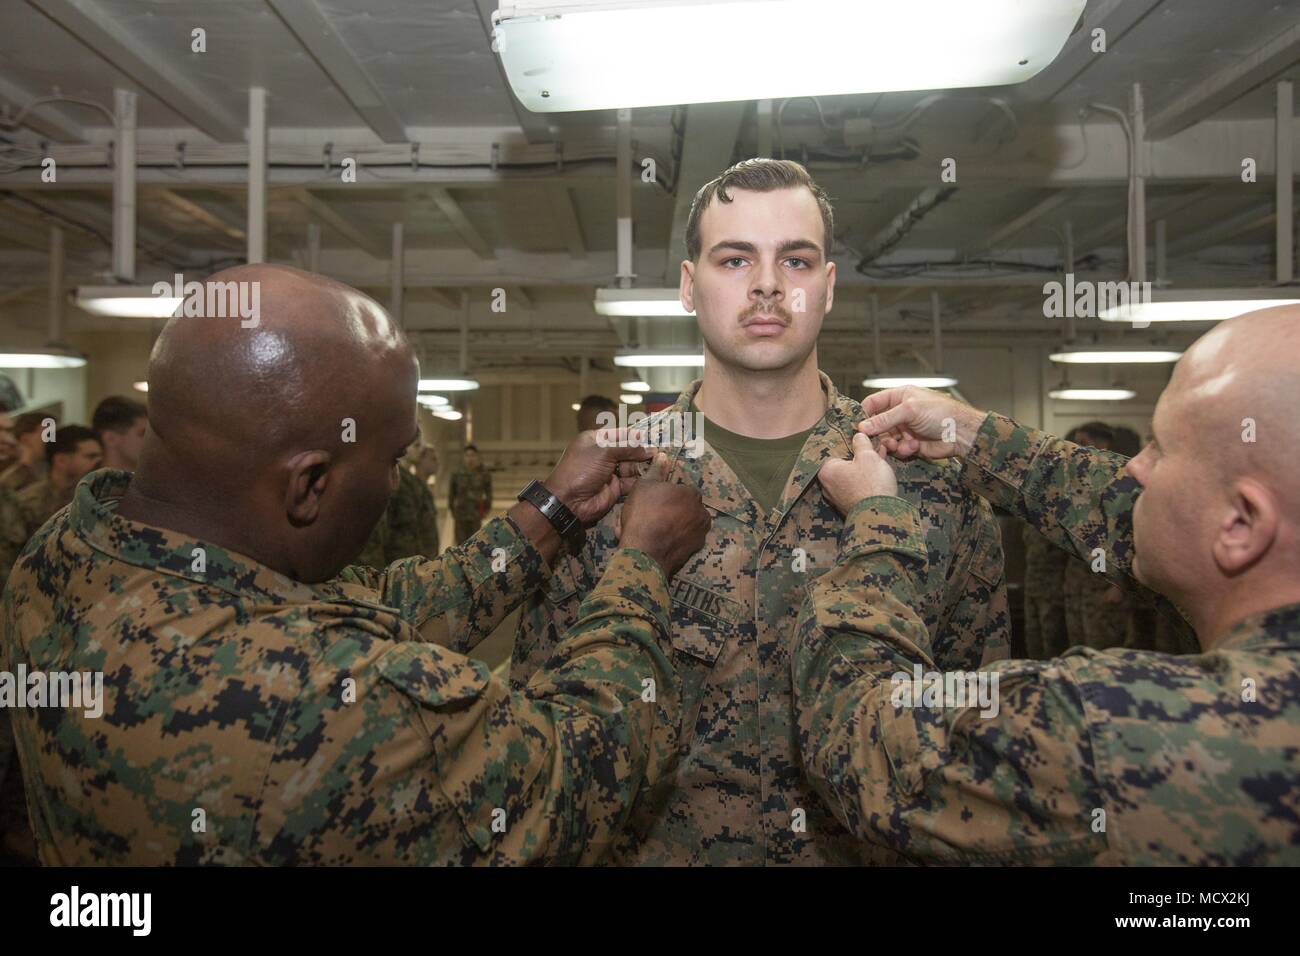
[[576, 407], [1100, 355], [140, 386], [628, 398], [126, 301], [898, 381], [1198, 305], [637, 302], [433, 401], [448, 384], [634, 386], [449, 414], [52, 357], [562, 55], [1109, 394], [659, 359]]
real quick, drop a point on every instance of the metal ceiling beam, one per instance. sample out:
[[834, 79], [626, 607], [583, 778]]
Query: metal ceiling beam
[[312, 29], [102, 34], [1251, 220], [48, 120], [1037, 211], [707, 148], [1116, 17], [460, 222], [1216, 91], [199, 214], [322, 211], [1160, 209], [565, 214], [536, 127]]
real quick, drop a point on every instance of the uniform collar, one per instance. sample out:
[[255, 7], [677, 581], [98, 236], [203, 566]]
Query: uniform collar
[[93, 518], [723, 492], [1280, 625]]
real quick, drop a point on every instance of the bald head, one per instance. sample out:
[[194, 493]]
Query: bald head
[[283, 417], [1218, 523]]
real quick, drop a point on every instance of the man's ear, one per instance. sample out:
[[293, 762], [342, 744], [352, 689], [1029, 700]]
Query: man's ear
[[686, 285], [308, 477], [1248, 529], [830, 285]]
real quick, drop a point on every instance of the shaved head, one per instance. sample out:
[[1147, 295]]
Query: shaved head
[[281, 437], [1218, 521]]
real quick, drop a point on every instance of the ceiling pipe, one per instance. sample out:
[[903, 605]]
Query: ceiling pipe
[[124, 156], [1285, 185], [623, 188], [256, 174]]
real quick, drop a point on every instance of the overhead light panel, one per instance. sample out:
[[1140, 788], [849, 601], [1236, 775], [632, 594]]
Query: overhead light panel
[[448, 414], [448, 384], [1100, 355], [562, 55], [42, 358], [1197, 305], [140, 386], [126, 301], [898, 381], [659, 359], [1108, 394], [634, 386], [629, 398], [640, 302], [433, 401]]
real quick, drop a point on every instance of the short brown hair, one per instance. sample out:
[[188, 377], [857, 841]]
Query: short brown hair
[[760, 176]]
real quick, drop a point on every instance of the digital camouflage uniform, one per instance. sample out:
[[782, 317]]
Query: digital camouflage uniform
[[1114, 757], [740, 796], [38, 501], [21, 514], [470, 498], [18, 475], [408, 526], [229, 690], [1045, 634]]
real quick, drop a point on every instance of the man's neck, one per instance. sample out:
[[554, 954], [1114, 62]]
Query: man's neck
[[1214, 623], [112, 460], [30, 458], [765, 404]]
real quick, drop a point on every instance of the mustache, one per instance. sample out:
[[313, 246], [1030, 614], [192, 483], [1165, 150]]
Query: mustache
[[765, 308]]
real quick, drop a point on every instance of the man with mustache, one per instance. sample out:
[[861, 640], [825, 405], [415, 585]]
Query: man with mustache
[[759, 278]]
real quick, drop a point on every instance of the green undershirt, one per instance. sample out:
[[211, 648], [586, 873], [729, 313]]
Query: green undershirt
[[763, 465]]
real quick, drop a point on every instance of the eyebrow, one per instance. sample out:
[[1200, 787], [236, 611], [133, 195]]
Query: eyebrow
[[787, 246]]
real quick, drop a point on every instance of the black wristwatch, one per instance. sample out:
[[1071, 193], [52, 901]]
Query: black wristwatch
[[553, 510]]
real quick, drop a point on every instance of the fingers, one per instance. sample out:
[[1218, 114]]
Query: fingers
[[878, 402], [891, 418]]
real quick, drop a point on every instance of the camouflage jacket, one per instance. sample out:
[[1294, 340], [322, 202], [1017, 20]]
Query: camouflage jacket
[[740, 796], [39, 501], [408, 526], [470, 494], [252, 719], [1113, 757], [18, 475]]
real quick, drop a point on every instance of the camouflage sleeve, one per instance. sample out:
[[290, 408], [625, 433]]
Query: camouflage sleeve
[[977, 628], [459, 597], [438, 762], [1003, 774], [1080, 499]]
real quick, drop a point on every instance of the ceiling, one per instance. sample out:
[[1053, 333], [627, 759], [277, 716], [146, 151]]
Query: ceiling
[[496, 197]]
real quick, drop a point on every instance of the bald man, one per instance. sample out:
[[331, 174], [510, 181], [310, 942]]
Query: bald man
[[263, 704], [1116, 756]]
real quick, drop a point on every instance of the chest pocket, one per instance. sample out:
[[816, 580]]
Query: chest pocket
[[704, 621]]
